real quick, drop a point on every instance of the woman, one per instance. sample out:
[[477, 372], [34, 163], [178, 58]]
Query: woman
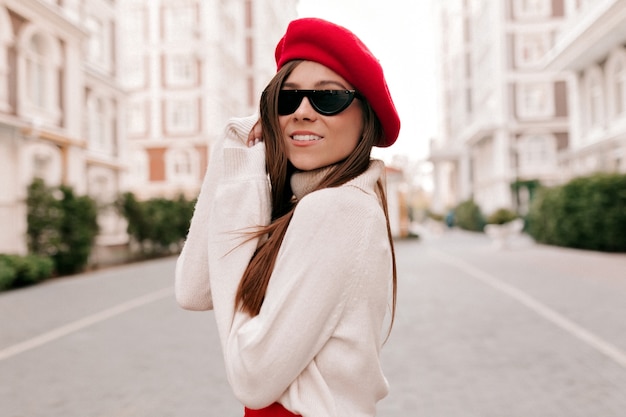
[[290, 242]]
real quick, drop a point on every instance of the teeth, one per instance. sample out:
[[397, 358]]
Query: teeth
[[305, 137]]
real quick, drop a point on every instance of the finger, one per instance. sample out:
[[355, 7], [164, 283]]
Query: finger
[[254, 133], [258, 130]]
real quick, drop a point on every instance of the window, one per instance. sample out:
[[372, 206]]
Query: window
[[139, 168], [39, 70], [134, 25], [249, 51], [96, 47], [182, 165], [134, 73], [594, 98], [6, 36], [620, 88], [182, 115], [42, 161], [468, 100], [98, 124], [71, 8], [133, 69], [575, 8], [535, 100], [536, 152], [248, 13], [100, 127], [37, 81], [531, 9], [251, 93], [100, 48], [616, 84], [179, 21], [181, 70], [530, 48], [137, 122]]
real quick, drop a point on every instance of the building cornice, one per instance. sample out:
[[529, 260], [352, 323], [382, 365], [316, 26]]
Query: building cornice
[[95, 77], [11, 121], [590, 38], [477, 132], [37, 11], [607, 143], [110, 164], [50, 136]]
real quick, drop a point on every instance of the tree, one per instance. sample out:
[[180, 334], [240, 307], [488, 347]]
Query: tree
[[78, 230], [43, 218], [61, 225]]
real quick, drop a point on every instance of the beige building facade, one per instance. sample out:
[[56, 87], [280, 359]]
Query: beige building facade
[[591, 49], [59, 106], [188, 66], [109, 96], [505, 116]]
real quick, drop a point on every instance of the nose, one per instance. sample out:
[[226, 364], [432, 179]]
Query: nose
[[305, 111]]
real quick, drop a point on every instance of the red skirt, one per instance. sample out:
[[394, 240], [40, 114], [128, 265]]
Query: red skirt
[[274, 410]]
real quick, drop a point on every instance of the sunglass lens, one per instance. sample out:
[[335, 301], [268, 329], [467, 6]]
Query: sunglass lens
[[331, 102], [325, 102], [288, 101]]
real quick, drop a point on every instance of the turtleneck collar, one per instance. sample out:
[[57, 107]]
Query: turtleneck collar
[[303, 182]]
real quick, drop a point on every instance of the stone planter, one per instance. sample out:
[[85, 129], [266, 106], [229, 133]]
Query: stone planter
[[501, 234]]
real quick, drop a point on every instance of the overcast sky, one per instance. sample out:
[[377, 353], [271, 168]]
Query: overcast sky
[[399, 33]]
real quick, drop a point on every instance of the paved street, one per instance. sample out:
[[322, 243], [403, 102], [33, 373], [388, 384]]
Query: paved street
[[528, 331]]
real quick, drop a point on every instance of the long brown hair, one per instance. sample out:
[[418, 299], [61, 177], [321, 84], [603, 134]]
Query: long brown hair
[[254, 283]]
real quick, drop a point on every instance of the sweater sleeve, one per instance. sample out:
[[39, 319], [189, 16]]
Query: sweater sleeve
[[192, 284], [326, 252]]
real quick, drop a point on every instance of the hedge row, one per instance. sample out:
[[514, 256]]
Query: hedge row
[[158, 226], [586, 213], [468, 216], [61, 225], [20, 271]]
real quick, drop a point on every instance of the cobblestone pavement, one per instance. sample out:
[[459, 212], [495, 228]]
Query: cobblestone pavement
[[526, 331]]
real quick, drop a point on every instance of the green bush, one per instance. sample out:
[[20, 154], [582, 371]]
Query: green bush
[[20, 271], [77, 232], [541, 220], [159, 226], [435, 216], [586, 213], [467, 215], [61, 225], [44, 214], [501, 216], [7, 275]]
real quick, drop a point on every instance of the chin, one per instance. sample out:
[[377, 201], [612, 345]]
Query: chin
[[307, 166]]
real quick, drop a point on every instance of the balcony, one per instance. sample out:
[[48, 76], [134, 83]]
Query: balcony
[[589, 36]]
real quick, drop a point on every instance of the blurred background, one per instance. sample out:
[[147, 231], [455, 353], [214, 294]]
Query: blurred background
[[507, 193], [117, 104]]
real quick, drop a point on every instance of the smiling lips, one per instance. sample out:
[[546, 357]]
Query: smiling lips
[[305, 138]]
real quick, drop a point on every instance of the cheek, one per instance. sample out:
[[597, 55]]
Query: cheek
[[354, 141], [354, 132], [353, 123], [349, 140], [282, 122]]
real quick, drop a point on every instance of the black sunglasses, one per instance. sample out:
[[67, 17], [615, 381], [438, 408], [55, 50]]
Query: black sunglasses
[[325, 102]]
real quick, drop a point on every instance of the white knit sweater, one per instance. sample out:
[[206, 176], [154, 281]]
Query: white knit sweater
[[315, 345]]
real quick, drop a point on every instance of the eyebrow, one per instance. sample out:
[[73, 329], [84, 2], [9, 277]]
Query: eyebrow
[[318, 85]]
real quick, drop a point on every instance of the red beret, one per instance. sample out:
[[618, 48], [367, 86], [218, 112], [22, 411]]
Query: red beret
[[337, 48]]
